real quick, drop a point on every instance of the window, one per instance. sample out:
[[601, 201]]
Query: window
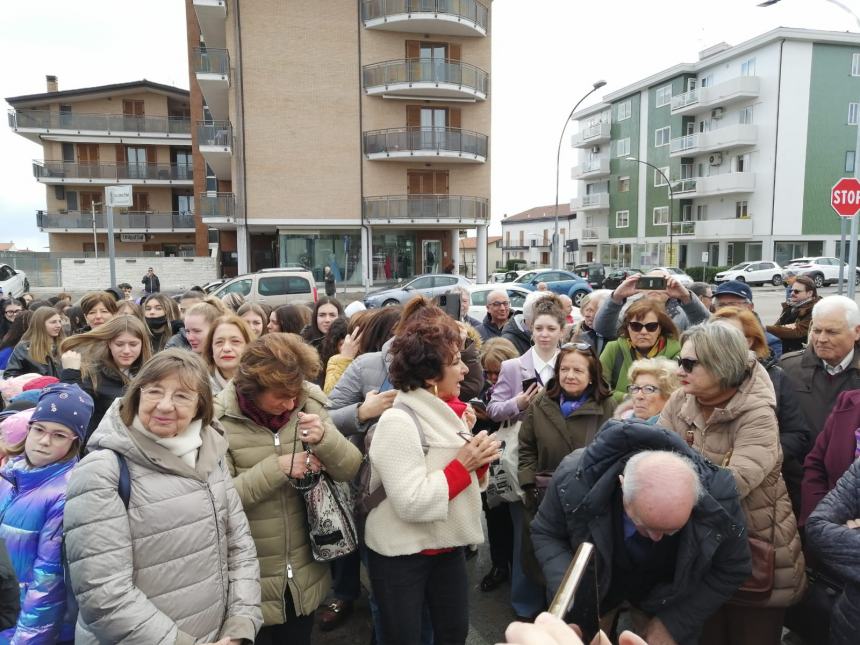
[[659, 180], [624, 110], [741, 210], [624, 184], [622, 147], [444, 281], [422, 283], [855, 64], [849, 161], [663, 96], [852, 113], [279, 285], [746, 115], [661, 216], [622, 219], [242, 287], [748, 67], [701, 212], [686, 212], [742, 163], [662, 136]]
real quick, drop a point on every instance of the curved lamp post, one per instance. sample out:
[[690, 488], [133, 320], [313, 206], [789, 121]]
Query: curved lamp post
[[671, 202], [556, 248]]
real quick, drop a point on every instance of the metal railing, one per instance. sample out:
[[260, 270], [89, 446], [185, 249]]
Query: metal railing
[[431, 140], [426, 207], [117, 171], [684, 228], [426, 70], [211, 61], [687, 142], [685, 99], [685, 185], [466, 9], [129, 220], [48, 120], [215, 133], [217, 205], [595, 199]]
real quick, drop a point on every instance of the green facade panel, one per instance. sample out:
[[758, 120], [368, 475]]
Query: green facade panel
[[618, 167]]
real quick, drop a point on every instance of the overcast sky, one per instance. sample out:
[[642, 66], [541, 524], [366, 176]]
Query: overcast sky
[[546, 55]]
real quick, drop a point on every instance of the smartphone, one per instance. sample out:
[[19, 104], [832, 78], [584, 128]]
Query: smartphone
[[450, 303], [528, 382], [578, 593], [478, 404], [651, 283]]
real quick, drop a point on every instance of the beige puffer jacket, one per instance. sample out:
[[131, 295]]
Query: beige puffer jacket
[[746, 432], [276, 511], [179, 566]]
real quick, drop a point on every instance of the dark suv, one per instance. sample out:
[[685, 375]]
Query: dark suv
[[594, 273]]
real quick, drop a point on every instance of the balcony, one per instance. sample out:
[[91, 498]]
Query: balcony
[[593, 202], [426, 209], [594, 234], [591, 136], [446, 17], [731, 91], [39, 125], [148, 222], [217, 208], [212, 68], [725, 184], [429, 78], [683, 228], [215, 140], [732, 136], [451, 145], [212, 17], [104, 174], [594, 169], [734, 228]]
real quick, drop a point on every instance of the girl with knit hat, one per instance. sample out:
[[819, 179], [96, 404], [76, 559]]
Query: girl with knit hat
[[32, 503]]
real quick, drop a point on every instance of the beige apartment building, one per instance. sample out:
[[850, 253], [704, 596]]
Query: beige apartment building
[[136, 134], [347, 134]]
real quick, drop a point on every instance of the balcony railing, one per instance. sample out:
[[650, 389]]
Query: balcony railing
[[684, 228], [47, 120], [729, 91], [595, 233], [597, 133], [595, 200], [215, 133], [730, 136], [466, 9], [129, 220], [426, 207], [73, 170], [211, 61], [685, 99], [217, 206], [426, 70], [426, 140]]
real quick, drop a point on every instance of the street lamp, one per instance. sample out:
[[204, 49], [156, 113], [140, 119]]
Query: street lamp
[[671, 201], [556, 248]]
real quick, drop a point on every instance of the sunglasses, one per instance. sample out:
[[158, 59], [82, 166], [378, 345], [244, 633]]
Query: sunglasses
[[687, 364], [638, 326], [585, 348], [798, 291]]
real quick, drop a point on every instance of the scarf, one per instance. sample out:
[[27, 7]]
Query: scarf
[[271, 421], [184, 445], [569, 406], [156, 324], [456, 405], [659, 346]]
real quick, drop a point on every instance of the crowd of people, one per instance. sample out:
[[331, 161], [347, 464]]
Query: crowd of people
[[193, 470]]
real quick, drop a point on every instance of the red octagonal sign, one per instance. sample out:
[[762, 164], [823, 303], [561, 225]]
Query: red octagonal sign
[[845, 197]]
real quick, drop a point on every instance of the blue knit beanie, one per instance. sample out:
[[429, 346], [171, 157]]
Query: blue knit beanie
[[66, 404]]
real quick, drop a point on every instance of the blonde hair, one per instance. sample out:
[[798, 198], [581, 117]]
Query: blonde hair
[[661, 368], [229, 319]]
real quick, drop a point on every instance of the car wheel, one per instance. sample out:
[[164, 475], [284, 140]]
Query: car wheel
[[26, 285], [577, 297], [390, 302], [740, 278], [818, 280], [777, 280]]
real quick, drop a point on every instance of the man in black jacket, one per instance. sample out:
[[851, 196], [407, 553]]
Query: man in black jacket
[[666, 524], [150, 282]]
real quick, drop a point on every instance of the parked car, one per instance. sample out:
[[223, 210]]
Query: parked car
[[13, 282], [594, 273], [752, 273], [272, 286], [429, 285], [618, 275], [679, 275], [497, 278], [822, 270], [209, 287], [479, 292], [558, 281], [511, 276]]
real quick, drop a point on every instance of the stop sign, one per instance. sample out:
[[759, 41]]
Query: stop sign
[[845, 197]]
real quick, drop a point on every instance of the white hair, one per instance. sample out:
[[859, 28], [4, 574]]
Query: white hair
[[665, 465], [838, 304], [530, 302]]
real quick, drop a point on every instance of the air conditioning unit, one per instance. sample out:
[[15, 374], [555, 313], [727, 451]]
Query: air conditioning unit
[[717, 113], [595, 149], [716, 159]]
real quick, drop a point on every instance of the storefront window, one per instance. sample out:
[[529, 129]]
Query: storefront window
[[340, 250], [393, 256]]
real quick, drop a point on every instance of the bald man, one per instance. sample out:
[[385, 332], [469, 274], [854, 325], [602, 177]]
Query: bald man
[[498, 313], [667, 526]]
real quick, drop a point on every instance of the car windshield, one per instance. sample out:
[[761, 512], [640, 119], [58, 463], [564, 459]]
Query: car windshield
[[526, 277], [739, 267]]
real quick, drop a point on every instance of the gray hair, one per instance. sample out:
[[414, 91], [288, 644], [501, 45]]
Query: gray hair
[[700, 288], [658, 460], [598, 296], [529, 305], [838, 304], [665, 371], [722, 350]]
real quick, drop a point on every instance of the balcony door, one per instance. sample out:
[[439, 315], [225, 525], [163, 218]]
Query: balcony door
[[422, 188], [88, 154], [433, 60], [133, 115]]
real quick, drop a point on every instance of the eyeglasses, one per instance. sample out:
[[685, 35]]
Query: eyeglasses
[[500, 303], [179, 399], [647, 389], [54, 436], [638, 326], [13, 312], [585, 348], [798, 291], [687, 364]]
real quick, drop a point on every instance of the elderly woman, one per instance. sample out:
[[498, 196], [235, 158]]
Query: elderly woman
[[158, 546], [652, 381], [278, 429], [584, 330], [646, 331], [429, 465], [725, 410]]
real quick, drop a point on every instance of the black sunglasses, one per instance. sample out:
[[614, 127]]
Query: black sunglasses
[[687, 364], [638, 326]]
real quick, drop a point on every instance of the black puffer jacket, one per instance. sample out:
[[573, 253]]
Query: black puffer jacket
[[713, 555], [109, 387], [838, 548], [20, 362]]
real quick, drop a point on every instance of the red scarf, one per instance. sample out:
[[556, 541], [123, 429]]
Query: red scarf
[[456, 405], [271, 421]]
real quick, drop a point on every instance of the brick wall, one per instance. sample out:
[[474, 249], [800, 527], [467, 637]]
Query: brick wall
[[175, 274]]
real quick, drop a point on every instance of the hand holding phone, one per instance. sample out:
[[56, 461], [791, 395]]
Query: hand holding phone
[[651, 283], [530, 391]]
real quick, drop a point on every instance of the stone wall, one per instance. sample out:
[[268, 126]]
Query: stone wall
[[175, 274]]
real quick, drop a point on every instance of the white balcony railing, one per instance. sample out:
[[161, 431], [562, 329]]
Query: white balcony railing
[[592, 202], [597, 133], [595, 233], [730, 91], [593, 168], [732, 136], [724, 184]]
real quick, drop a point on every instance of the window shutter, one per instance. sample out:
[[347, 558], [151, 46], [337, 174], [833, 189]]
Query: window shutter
[[413, 116], [120, 153], [413, 183], [150, 154], [454, 52], [413, 48], [454, 118], [441, 182]]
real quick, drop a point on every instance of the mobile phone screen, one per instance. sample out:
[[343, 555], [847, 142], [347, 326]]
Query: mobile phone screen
[[651, 283], [528, 382]]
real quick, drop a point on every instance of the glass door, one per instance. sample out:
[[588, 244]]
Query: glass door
[[431, 255], [433, 122], [136, 159]]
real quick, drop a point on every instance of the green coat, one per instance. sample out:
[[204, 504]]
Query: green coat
[[275, 510], [610, 360]]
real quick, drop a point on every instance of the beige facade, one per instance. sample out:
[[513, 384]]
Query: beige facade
[[332, 162]]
